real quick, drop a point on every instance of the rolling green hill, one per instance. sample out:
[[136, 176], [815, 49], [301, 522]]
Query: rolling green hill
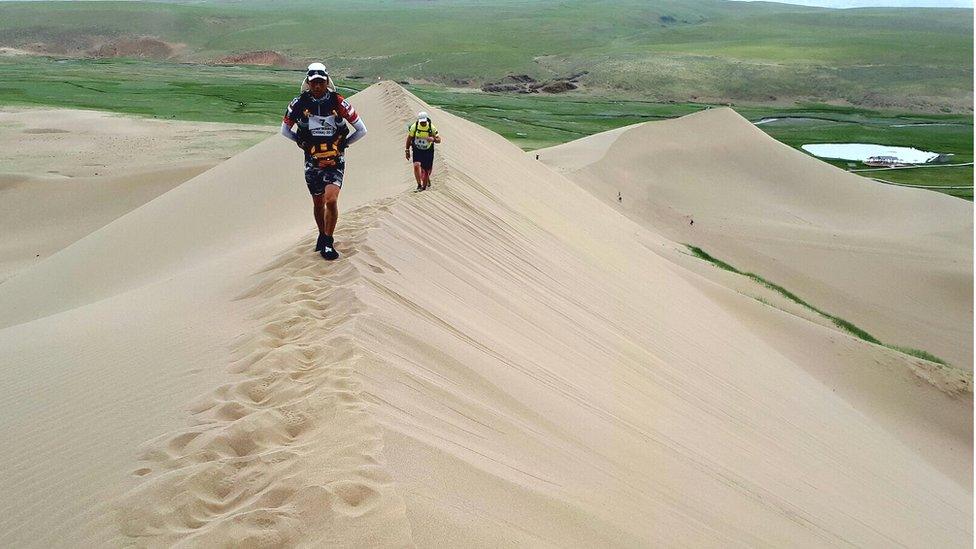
[[707, 50]]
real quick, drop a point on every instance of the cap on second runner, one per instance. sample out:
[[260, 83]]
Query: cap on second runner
[[317, 70], [422, 116]]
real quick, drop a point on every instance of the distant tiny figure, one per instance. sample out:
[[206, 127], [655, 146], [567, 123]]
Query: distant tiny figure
[[619, 197], [536, 157], [692, 222], [421, 137]]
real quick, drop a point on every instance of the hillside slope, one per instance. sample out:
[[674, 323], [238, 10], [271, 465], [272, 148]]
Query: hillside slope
[[481, 368], [689, 50], [896, 262]]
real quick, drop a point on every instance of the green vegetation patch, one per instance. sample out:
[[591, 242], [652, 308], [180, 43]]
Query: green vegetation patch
[[839, 322], [258, 95], [955, 181], [147, 89], [683, 50], [242, 95], [535, 122]]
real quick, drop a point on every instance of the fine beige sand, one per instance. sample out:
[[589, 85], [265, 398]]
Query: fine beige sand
[[894, 261], [503, 360], [65, 173]]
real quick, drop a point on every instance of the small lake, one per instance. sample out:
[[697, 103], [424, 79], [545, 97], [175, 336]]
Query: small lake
[[863, 151]]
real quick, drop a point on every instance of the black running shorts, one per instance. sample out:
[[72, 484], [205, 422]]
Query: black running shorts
[[426, 158], [317, 178]]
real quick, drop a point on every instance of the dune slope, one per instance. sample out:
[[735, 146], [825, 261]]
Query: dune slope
[[479, 369], [894, 261], [66, 172]]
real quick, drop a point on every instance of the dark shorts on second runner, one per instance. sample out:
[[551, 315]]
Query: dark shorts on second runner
[[426, 158], [317, 178]]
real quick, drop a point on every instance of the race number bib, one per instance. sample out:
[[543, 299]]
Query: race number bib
[[422, 143], [322, 126]]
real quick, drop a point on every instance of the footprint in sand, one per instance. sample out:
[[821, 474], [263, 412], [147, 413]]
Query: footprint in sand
[[227, 480]]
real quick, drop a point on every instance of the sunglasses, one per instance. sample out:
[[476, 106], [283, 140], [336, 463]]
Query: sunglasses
[[318, 73]]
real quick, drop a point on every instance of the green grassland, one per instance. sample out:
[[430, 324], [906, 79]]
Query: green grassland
[[535, 122], [690, 50], [245, 95], [257, 95]]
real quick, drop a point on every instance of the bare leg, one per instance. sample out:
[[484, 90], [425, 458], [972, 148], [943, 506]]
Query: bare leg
[[331, 200], [318, 210], [418, 174], [427, 177]]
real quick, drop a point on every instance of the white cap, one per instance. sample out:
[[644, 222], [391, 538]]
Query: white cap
[[422, 116], [317, 70]]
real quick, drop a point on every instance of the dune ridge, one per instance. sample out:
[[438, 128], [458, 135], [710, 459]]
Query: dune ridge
[[251, 470], [502, 360], [896, 262]]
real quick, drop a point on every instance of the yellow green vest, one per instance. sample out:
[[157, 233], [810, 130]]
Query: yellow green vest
[[422, 137]]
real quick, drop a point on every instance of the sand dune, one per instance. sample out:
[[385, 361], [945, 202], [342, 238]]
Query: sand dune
[[896, 262], [65, 173], [481, 368]]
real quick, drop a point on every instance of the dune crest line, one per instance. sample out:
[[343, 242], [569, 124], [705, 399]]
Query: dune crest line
[[287, 452], [508, 359]]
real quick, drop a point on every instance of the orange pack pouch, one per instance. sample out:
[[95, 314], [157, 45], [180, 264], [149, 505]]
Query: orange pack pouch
[[326, 155]]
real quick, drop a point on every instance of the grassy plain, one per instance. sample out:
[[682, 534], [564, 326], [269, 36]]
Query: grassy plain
[[258, 95], [689, 50]]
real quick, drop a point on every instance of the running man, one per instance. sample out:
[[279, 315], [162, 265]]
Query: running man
[[320, 115], [420, 140]]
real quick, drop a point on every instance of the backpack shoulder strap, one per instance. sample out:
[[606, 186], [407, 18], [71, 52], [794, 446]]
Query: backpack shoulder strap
[[334, 103]]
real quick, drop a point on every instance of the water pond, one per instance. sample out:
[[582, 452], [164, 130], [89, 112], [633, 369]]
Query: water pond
[[863, 151]]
